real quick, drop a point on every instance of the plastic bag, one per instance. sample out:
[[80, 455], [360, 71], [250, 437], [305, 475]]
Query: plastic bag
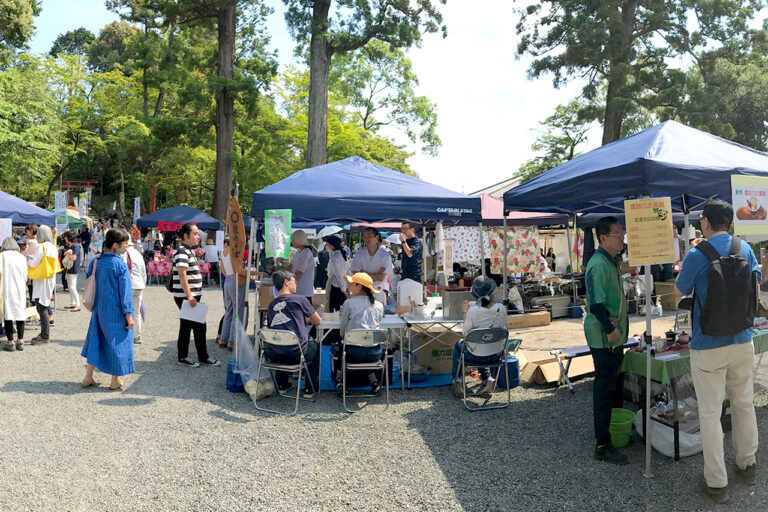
[[247, 357], [663, 438], [278, 233], [514, 297]]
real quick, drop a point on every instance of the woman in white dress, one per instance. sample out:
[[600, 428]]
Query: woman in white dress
[[13, 267], [42, 289]]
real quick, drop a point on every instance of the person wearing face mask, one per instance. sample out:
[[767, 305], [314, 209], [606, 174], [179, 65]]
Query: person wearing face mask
[[109, 342], [606, 327]]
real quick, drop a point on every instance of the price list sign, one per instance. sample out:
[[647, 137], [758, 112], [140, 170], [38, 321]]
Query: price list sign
[[649, 231]]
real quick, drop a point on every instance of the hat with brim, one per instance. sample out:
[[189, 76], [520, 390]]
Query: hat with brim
[[361, 278]]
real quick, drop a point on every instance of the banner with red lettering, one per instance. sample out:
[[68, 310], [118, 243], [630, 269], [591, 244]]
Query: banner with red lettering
[[169, 226]]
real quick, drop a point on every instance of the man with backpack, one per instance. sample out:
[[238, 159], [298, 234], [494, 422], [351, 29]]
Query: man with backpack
[[722, 273]]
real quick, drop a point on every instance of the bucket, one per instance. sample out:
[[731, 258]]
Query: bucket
[[574, 310], [514, 374], [621, 426], [234, 381]]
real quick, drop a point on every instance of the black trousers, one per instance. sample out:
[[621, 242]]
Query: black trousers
[[187, 327], [19, 329], [45, 313], [607, 392]]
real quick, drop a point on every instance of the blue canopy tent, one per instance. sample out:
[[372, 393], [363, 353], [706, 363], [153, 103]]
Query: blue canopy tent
[[22, 212], [180, 214], [669, 159], [355, 190]]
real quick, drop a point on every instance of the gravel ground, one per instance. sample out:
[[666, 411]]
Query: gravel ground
[[176, 439]]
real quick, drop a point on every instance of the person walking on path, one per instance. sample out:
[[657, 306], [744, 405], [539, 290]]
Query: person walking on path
[[606, 327], [109, 342], [723, 272], [73, 253], [42, 289], [188, 284], [13, 270], [138, 272]]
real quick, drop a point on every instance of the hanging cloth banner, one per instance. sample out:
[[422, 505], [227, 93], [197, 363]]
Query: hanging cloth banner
[[278, 224], [136, 209], [750, 205], [169, 226], [236, 230]]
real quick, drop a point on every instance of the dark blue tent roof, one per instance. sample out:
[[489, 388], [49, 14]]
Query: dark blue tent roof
[[669, 159], [181, 213], [355, 190], [22, 212]]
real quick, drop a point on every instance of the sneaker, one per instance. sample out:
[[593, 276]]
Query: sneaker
[[458, 388], [19, 346], [37, 340], [9, 346], [339, 388], [285, 386], [487, 387], [607, 453], [137, 340], [187, 362], [375, 388], [308, 393], [211, 362], [719, 495], [746, 475]]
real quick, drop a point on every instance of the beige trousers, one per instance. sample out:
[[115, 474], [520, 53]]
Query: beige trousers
[[137, 295], [717, 373]]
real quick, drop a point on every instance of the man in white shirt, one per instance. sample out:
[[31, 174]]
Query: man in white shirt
[[212, 257], [138, 270], [375, 260], [303, 265]]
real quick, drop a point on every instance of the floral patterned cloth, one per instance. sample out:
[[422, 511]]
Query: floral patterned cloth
[[523, 247], [466, 243]]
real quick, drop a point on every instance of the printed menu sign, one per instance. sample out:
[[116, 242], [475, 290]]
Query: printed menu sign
[[649, 231], [750, 205]]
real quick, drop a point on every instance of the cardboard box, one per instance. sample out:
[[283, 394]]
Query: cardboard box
[[437, 355], [318, 299], [537, 319], [667, 295], [540, 367], [265, 295]]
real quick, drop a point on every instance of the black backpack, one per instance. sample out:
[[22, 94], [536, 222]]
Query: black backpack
[[732, 291]]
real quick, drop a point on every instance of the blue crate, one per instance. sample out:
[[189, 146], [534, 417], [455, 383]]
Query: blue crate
[[514, 374]]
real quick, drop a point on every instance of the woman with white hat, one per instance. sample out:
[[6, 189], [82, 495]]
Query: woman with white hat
[[303, 265]]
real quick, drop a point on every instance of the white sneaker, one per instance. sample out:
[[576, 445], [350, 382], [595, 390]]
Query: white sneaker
[[487, 387]]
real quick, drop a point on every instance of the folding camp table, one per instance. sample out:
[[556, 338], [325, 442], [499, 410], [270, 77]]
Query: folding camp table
[[415, 325], [572, 353]]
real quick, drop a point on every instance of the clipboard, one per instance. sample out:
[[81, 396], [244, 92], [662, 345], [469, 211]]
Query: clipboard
[[195, 314]]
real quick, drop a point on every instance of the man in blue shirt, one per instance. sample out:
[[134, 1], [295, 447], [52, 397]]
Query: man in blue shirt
[[412, 252], [291, 312], [721, 365]]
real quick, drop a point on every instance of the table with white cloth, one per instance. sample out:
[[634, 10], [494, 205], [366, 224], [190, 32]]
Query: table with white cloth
[[423, 326], [391, 323]]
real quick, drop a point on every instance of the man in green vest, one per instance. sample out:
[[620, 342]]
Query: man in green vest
[[606, 327]]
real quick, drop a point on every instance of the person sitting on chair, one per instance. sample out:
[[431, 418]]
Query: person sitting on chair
[[483, 315], [291, 312], [359, 311]]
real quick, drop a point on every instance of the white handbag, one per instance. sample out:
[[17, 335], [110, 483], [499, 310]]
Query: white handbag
[[89, 294]]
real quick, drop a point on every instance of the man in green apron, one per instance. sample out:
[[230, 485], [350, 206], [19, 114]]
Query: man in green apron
[[606, 327]]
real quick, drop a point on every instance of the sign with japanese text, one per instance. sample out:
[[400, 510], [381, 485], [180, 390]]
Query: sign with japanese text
[[169, 226], [60, 210], [750, 205], [236, 231], [649, 231]]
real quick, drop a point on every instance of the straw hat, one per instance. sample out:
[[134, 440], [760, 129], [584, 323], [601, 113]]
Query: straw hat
[[299, 238], [362, 279]]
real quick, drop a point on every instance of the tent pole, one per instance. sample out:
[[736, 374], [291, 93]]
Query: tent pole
[[504, 271], [424, 257], [482, 249], [686, 239], [570, 247], [575, 288], [648, 341], [256, 316]]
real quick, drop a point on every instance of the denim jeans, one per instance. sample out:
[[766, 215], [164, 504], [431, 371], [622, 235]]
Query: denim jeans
[[311, 355], [470, 360]]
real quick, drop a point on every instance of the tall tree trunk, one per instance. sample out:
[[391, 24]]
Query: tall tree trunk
[[319, 65], [144, 85], [614, 114], [225, 112], [617, 76]]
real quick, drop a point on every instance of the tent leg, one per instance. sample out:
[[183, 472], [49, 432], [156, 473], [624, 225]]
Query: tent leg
[[686, 239], [482, 249], [252, 243], [570, 247], [648, 341], [505, 268]]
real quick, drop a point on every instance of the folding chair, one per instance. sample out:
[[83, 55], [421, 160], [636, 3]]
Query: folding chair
[[484, 347], [283, 339], [368, 338]]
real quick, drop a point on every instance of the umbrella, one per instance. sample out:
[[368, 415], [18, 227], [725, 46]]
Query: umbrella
[[328, 231], [394, 238]]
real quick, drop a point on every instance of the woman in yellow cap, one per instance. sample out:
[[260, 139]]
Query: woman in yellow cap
[[359, 311]]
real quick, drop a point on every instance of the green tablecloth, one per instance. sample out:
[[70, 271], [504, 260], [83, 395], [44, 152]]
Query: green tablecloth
[[665, 370]]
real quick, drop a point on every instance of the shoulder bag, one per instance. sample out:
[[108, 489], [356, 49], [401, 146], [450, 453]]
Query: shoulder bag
[[89, 294]]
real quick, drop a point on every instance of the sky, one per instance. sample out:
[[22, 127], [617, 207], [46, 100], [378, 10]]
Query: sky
[[488, 110]]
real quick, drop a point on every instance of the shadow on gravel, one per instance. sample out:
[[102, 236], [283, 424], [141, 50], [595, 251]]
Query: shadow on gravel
[[126, 402], [223, 415], [51, 387]]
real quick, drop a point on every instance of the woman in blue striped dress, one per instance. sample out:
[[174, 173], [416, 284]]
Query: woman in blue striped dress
[[109, 343]]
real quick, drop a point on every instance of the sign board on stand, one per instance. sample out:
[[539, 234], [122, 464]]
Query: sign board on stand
[[649, 231], [750, 205], [60, 209], [236, 230]]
